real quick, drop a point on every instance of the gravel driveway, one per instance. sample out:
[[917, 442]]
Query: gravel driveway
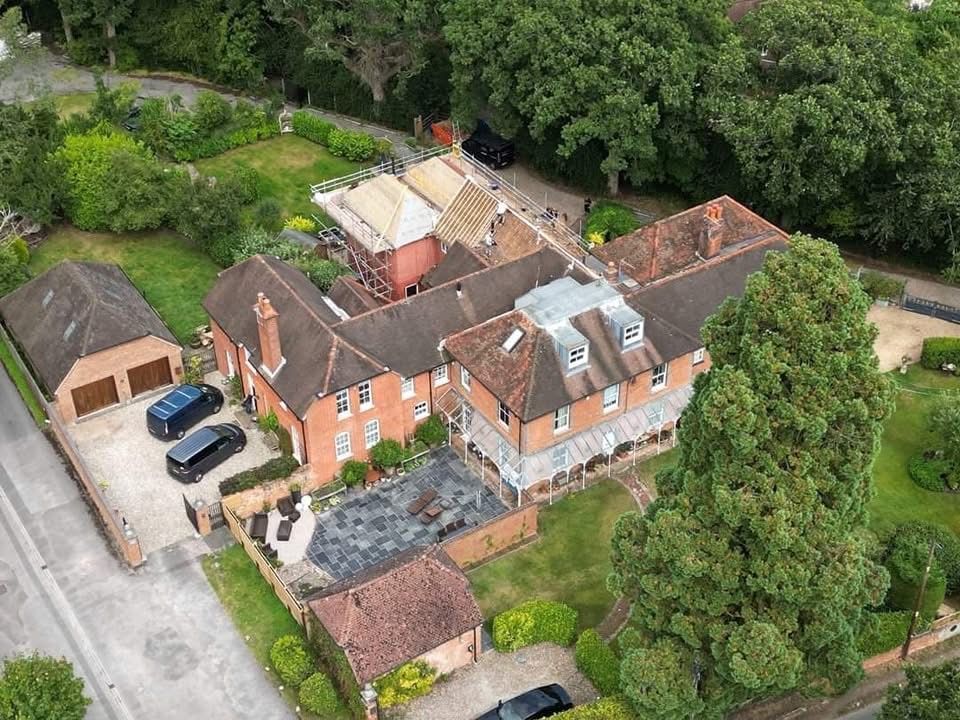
[[120, 452], [902, 333], [472, 690]]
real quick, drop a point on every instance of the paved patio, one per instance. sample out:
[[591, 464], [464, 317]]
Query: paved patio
[[369, 527]]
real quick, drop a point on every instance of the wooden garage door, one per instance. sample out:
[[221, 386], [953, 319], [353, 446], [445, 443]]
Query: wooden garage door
[[147, 377], [94, 396]]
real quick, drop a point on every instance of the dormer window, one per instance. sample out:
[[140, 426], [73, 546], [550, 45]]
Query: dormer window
[[577, 356], [632, 334]]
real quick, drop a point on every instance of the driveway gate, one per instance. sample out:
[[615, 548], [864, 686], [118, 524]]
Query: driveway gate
[[931, 308], [216, 516], [191, 512]]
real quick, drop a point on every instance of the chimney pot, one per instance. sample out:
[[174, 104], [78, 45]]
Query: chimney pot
[[611, 274], [709, 242]]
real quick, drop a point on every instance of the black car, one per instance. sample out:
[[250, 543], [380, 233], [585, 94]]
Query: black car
[[203, 450], [173, 414], [489, 148], [541, 702]]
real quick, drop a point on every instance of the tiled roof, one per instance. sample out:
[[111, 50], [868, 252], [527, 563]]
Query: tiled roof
[[352, 296], [671, 245], [512, 238], [397, 610], [75, 309], [317, 360], [458, 261]]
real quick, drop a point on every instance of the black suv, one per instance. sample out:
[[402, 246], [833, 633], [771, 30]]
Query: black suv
[[489, 148], [541, 702], [173, 414], [203, 450]]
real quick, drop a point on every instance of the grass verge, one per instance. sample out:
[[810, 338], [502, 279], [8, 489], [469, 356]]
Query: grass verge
[[569, 563], [257, 613], [23, 384]]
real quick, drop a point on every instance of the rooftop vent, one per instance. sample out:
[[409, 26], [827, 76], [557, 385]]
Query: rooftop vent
[[47, 298], [511, 342], [69, 331]]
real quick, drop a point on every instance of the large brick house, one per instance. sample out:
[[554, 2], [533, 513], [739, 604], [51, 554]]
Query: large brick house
[[539, 362], [90, 337]]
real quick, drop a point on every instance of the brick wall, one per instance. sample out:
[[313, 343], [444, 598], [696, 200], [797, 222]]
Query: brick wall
[[494, 536], [409, 263], [485, 403], [454, 653], [247, 502], [116, 361]]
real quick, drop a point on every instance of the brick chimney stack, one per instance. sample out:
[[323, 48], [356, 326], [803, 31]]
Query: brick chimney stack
[[709, 244], [611, 274], [268, 328]]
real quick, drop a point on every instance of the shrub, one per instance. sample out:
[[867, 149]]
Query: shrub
[[193, 370], [301, 223], [291, 660], [906, 561], [284, 440], [257, 241], [211, 110], [386, 454], [352, 145], [13, 272], [272, 469], [883, 631], [266, 214], [881, 287], [269, 422], [353, 472], [246, 181], [598, 662], [533, 622], [318, 696], [948, 552], [603, 709], [35, 686], [431, 431], [309, 126], [930, 473], [321, 272], [610, 218], [939, 351], [409, 681]]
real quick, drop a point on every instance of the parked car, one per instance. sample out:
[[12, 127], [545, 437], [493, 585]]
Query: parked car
[[176, 412], [203, 450], [489, 148], [541, 702]]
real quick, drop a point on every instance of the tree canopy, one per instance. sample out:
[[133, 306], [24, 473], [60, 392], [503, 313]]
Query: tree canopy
[[929, 694], [749, 573], [36, 687]]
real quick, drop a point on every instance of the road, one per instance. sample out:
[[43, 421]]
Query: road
[[152, 644], [865, 713]]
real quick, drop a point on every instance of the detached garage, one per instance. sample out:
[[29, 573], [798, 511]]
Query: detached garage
[[90, 337]]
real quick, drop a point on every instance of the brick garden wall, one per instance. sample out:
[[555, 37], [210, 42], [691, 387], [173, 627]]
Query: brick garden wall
[[494, 536], [247, 502]]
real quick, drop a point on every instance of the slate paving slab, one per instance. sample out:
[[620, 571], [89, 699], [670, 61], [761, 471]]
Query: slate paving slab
[[370, 527]]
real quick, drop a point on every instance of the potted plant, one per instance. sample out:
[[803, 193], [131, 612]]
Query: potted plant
[[295, 493], [432, 431], [387, 455], [353, 473]]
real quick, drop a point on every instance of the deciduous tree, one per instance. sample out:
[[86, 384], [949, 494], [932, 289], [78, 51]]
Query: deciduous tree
[[36, 687], [750, 573], [376, 40], [929, 694]]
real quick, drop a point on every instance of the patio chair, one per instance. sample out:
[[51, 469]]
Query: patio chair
[[269, 551], [283, 532], [285, 506], [426, 497], [258, 527], [294, 516]]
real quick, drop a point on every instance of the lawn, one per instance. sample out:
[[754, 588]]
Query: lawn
[[171, 273], [68, 105], [898, 499], [23, 384], [288, 166], [570, 562], [256, 612]]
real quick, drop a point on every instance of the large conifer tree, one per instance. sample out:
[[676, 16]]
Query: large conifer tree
[[750, 572]]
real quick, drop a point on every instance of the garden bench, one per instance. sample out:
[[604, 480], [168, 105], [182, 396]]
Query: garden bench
[[258, 527], [285, 506]]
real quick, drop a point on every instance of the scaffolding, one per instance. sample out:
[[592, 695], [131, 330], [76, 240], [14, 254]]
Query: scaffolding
[[371, 268]]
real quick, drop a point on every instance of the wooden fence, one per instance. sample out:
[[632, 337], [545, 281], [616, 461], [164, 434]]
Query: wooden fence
[[123, 536], [269, 573]]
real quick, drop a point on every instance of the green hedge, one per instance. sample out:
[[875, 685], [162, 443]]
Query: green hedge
[[939, 351], [883, 631], [309, 126], [352, 145], [332, 659], [598, 662], [930, 473], [291, 660], [272, 469], [219, 143], [386, 454], [533, 622], [603, 709], [906, 562], [881, 287], [948, 554], [317, 695], [409, 681], [607, 215]]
